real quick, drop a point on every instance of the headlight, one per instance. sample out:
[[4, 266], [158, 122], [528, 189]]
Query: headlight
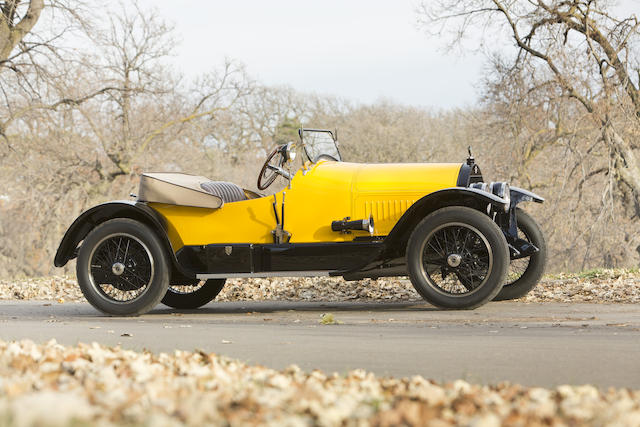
[[482, 186], [501, 189]]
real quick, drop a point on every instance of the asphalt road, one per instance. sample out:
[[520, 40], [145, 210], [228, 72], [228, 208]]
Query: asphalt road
[[533, 344]]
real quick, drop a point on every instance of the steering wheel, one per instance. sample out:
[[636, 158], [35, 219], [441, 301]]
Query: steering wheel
[[273, 167]]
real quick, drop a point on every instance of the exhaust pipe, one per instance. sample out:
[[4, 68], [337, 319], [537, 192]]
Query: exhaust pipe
[[344, 225]]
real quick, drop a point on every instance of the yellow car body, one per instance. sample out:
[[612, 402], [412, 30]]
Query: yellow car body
[[324, 192]]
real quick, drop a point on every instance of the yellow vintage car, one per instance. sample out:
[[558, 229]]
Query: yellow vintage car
[[454, 235]]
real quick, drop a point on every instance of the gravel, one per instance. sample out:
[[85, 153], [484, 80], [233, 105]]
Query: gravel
[[596, 286], [50, 384]]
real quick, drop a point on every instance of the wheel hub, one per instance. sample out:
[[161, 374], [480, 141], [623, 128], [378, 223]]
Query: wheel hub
[[454, 260], [117, 268]]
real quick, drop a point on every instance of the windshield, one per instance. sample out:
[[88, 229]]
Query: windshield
[[319, 143]]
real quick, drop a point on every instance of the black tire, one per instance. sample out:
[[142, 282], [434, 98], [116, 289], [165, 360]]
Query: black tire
[[525, 273], [122, 268], [460, 242], [192, 297]]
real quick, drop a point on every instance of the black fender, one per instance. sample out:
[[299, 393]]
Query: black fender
[[455, 196], [508, 222], [93, 217], [519, 195]]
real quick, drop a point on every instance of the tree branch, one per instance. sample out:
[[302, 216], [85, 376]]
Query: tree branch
[[525, 46]]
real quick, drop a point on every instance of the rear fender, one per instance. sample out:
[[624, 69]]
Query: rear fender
[[396, 241], [95, 216]]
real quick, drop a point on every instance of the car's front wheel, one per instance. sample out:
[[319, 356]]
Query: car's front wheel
[[525, 273], [122, 268], [457, 258], [193, 296]]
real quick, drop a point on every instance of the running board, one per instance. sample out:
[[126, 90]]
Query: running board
[[263, 274]]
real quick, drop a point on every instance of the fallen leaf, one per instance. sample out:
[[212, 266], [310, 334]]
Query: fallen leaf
[[328, 319]]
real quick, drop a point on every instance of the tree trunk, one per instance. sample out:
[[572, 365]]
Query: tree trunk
[[626, 163], [11, 35]]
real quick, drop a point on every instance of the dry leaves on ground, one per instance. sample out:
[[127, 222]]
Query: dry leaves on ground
[[52, 384], [602, 286]]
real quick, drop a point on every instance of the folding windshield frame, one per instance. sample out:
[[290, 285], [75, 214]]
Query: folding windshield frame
[[301, 132]]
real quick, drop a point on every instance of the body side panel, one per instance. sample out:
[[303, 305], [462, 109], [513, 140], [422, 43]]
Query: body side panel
[[250, 258], [326, 192], [387, 191], [314, 200]]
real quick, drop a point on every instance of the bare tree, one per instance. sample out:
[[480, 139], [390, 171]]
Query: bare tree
[[75, 144], [32, 60], [576, 49]]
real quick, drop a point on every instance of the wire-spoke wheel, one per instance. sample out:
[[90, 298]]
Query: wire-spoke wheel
[[525, 273], [457, 258], [122, 268], [193, 296]]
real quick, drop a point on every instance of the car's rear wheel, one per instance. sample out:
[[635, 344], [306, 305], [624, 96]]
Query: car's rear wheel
[[457, 258], [122, 268], [525, 273], [193, 296]]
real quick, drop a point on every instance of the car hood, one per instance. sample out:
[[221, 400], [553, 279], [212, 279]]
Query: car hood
[[358, 190], [392, 178]]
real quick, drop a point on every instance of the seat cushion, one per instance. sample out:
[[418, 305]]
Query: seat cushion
[[175, 188], [227, 191]]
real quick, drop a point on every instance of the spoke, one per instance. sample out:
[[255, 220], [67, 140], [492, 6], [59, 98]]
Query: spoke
[[456, 239], [470, 275], [466, 240], [123, 278], [126, 250], [113, 252], [438, 251], [446, 245], [118, 248], [442, 250], [462, 280], [474, 266], [104, 256], [99, 275], [141, 279]]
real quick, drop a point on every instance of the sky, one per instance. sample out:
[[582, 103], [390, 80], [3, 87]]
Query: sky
[[361, 50]]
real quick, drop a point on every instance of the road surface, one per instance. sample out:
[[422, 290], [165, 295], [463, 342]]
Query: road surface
[[545, 344]]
